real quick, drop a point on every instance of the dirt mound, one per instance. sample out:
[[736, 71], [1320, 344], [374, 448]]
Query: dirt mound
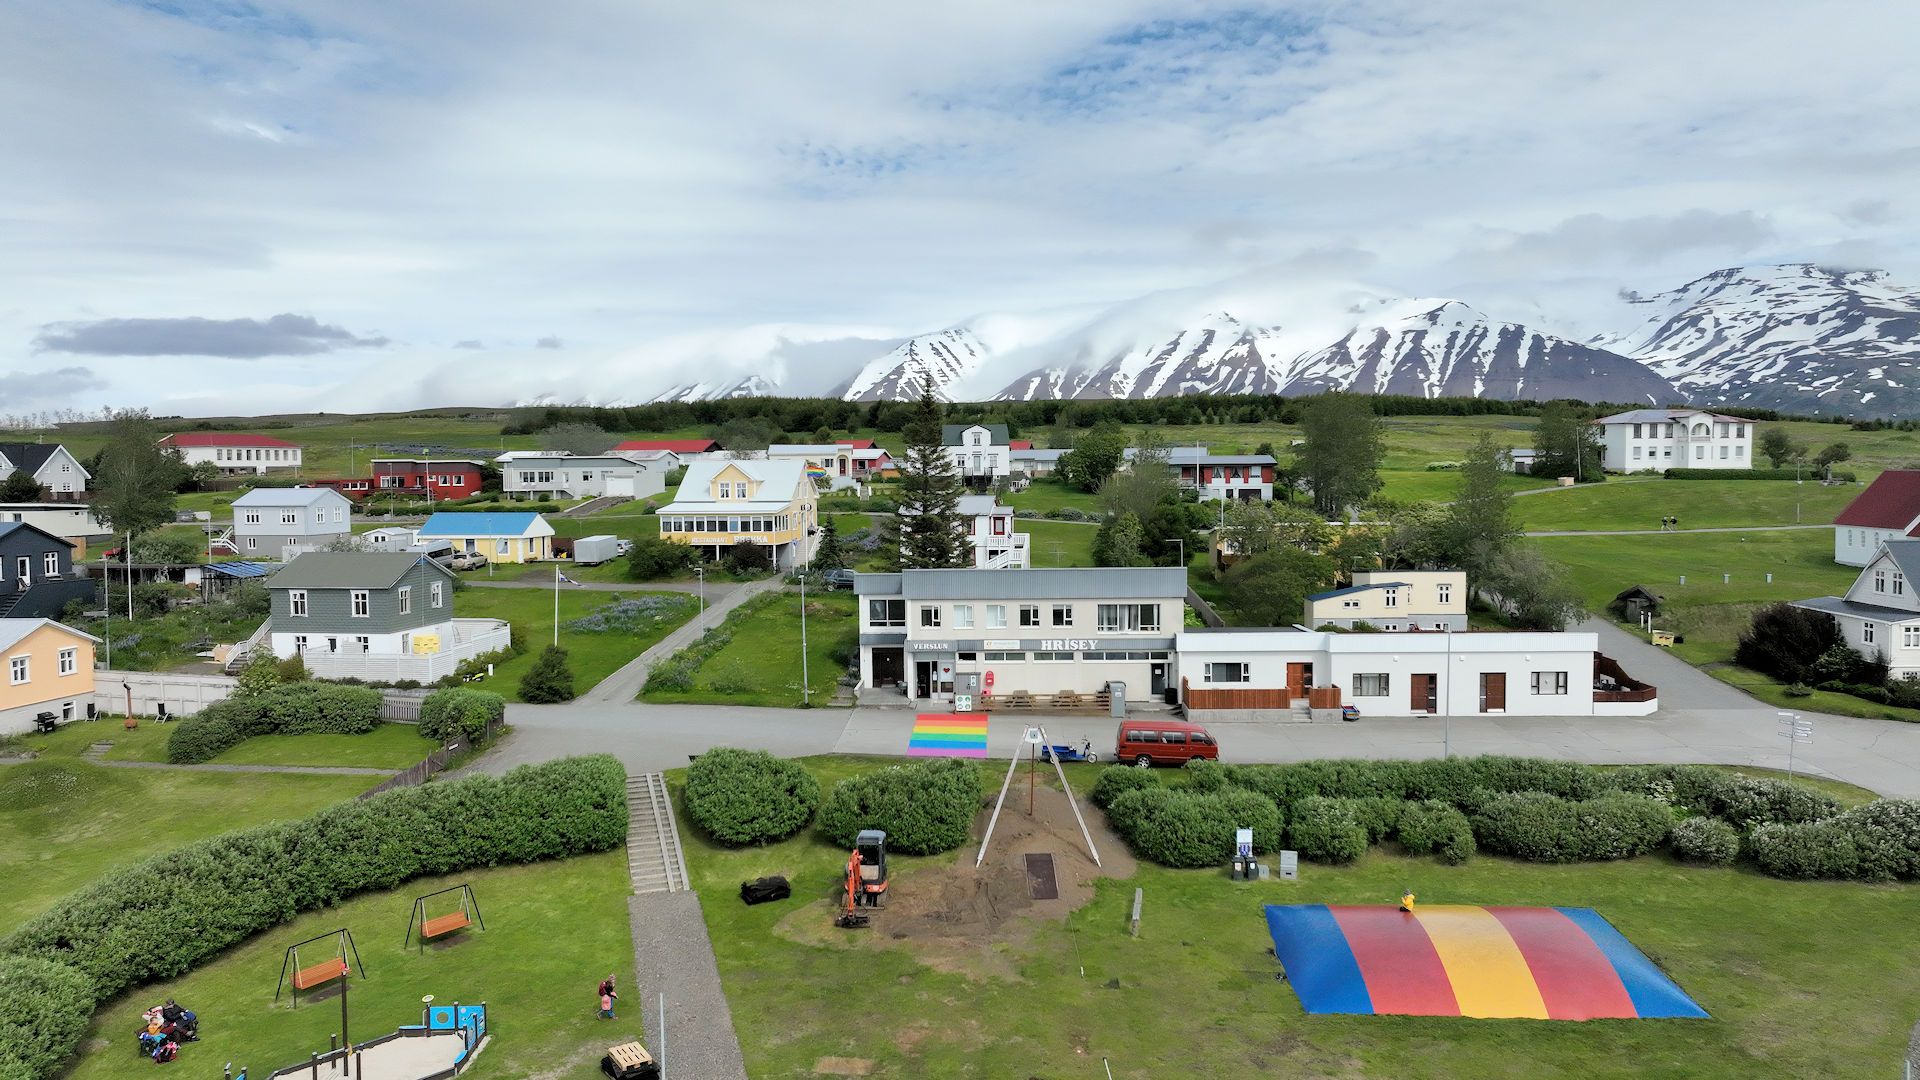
[[950, 914]]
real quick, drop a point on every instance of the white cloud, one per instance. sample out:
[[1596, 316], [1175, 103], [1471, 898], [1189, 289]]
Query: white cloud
[[676, 190]]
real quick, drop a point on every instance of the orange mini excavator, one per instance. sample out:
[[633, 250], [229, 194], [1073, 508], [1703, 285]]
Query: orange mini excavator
[[866, 879]]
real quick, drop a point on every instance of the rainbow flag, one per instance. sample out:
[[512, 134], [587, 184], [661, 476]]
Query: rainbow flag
[[1544, 963], [948, 735]]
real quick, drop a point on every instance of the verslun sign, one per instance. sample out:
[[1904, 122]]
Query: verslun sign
[[1067, 644]]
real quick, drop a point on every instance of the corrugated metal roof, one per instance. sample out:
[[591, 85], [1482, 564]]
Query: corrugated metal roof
[[950, 433], [300, 496], [14, 631], [224, 438], [1892, 501], [456, 523], [876, 584], [1666, 416], [240, 569], [1834, 605], [348, 570], [11, 526]]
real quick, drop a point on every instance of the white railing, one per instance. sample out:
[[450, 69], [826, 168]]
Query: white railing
[[471, 638]]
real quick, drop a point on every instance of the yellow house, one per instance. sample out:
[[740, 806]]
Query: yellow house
[[49, 671], [502, 538], [770, 504], [1395, 600]]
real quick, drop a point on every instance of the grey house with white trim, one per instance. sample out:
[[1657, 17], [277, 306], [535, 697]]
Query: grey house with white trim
[[373, 615], [280, 523], [1880, 614], [53, 465]]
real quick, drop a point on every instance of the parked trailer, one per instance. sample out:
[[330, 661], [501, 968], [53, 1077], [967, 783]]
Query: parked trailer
[[594, 550]]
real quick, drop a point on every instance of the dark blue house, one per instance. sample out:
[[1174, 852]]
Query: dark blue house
[[37, 578]]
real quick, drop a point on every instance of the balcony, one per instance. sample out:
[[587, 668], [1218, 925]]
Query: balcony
[[471, 638]]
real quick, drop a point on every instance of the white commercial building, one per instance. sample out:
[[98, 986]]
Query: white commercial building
[[561, 475], [1256, 674], [1038, 631], [1675, 439]]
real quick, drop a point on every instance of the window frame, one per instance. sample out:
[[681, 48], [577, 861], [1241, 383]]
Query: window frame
[[1555, 681], [69, 660], [20, 669], [297, 603], [930, 616], [1372, 684], [403, 597], [1063, 614], [1030, 615], [360, 603]]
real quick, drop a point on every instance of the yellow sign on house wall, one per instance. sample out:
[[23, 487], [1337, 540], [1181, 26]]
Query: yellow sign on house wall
[[426, 643]]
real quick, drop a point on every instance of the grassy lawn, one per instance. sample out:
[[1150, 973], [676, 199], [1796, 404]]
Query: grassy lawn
[[389, 746], [1803, 979], [593, 655], [1058, 543], [1699, 504], [552, 931], [1047, 493], [64, 822], [761, 665]]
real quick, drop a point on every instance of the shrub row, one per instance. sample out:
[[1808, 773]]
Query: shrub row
[[1546, 828], [1183, 827], [1876, 842], [750, 796], [458, 712], [165, 915], [1706, 840], [1433, 827], [925, 807], [1810, 471], [296, 709]]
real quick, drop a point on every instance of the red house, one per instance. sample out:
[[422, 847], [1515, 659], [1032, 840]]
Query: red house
[[435, 478], [355, 488]]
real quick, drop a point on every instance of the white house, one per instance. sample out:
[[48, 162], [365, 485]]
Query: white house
[[1041, 631], [989, 530], [51, 464], [1888, 509], [828, 465], [1255, 674], [385, 616], [279, 523], [1675, 439], [525, 474], [981, 453], [1035, 462], [1394, 600], [68, 521], [1880, 615], [234, 453]]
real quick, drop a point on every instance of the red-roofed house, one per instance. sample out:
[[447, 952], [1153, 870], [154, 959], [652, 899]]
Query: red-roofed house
[[857, 444], [1020, 444], [1888, 510], [677, 446], [234, 453]]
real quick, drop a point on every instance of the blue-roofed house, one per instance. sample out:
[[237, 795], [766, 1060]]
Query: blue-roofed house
[[1395, 600], [502, 538]]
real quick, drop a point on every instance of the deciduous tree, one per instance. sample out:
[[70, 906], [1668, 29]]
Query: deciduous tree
[[134, 478], [1096, 455], [1566, 444], [580, 440], [1271, 588], [1778, 446], [1341, 456], [1480, 524]]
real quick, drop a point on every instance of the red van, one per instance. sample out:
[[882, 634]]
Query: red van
[[1163, 742]]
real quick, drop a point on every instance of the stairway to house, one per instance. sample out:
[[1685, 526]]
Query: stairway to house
[[8, 600], [1301, 713], [654, 860]]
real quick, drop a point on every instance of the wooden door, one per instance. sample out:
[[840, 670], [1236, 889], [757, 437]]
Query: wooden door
[[1493, 692], [1298, 678], [1424, 698]]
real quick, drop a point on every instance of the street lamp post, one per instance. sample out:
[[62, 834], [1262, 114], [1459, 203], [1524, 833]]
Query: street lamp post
[[700, 572], [1446, 707]]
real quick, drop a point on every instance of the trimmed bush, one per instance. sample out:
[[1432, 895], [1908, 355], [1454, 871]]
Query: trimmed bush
[[1539, 827], [305, 708], [750, 796], [1203, 774], [1116, 780], [1436, 828], [458, 712], [549, 680], [1181, 827], [1706, 840], [1326, 830], [1876, 842], [44, 1011], [1820, 850], [926, 807], [165, 915]]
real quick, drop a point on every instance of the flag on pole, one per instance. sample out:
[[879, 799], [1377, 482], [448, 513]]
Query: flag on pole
[[563, 577]]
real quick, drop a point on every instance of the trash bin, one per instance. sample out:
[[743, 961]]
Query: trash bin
[[1117, 699]]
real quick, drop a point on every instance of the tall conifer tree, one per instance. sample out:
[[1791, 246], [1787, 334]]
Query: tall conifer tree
[[929, 492]]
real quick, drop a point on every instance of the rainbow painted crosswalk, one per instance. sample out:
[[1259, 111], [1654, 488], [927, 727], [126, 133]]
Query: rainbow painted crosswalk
[[948, 735], [1490, 962]]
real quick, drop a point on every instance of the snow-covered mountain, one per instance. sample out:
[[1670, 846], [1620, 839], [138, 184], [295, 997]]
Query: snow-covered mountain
[[1799, 338], [946, 358], [751, 386], [1217, 355]]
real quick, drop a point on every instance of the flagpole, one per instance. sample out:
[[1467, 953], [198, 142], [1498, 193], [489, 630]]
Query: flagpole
[[556, 605]]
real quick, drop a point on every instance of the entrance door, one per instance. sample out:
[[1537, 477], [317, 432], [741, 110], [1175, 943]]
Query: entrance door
[[924, 672], [1493, 692], [888, 667], [1159, 680], [23, 573], [1425, 697], [1299, 677]]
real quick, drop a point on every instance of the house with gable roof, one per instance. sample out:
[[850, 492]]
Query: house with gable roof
[[502, 538], [1880, 614], [981, 453], [1394, 600], [374, 615], [720, 503], [1643, 439], [235, 453], [53, 465], [1888, 509]]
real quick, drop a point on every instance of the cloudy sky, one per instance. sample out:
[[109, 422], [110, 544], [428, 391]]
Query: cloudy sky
[[214, 206]]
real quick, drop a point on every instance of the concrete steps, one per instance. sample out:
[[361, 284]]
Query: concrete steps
[[654, 860]]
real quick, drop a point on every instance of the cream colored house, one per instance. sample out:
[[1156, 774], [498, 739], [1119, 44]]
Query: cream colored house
[[771, 504], [1395, 600], [49, 672]]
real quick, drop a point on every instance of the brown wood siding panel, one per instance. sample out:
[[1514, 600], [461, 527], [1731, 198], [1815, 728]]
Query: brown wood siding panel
[[1237, 699], [1493, 691]]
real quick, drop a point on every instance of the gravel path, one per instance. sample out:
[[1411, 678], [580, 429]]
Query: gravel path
[[673, 955]]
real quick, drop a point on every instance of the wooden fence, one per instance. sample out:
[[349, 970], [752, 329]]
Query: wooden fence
[[413, 777]]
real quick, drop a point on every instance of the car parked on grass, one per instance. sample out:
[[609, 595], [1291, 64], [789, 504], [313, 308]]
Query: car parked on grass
[[839, 579]]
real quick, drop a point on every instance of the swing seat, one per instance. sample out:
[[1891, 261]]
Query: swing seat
[[445, 924], [325, 971]]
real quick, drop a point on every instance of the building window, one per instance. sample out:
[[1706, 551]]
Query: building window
[[1866, 632], [1739, 451], [1063, 614], [1699, 453], [253, 517], [1445, 590], [1393, 597], [1229, 673], [1029, 614], [1550, 683], [1636, 453], [299, 643], [1636, 434], [1115, 618], [963, 616], [339, 514], [360, 606], [297, 601], [1909, 636], [502, 547], [1006, 658], [69, 661], [1053, 657], [996, 616], [886, 613], [18, 668], [1899, 580], [1350, 603], [1880, 581], [929, 615], [289, 517], [320, 516], [253, 542], [406, 599], [50, 566], [434, 595], [1373, 685]]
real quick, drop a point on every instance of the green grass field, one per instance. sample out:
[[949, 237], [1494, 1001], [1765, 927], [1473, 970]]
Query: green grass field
[[1047, 493], [1699, 504], [1058, 543], [389, 746], [593, 656], [761, 666], [1802, 979]]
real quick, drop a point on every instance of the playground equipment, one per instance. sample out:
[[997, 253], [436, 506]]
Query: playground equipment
[[468, 914], [629, 1061], [1035, 738], [866, 879], [443, 1044], [334, 967]]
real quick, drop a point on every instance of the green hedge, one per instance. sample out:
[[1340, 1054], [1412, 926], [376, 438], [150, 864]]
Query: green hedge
[[1326, 830], [163, 916], [1876, 842], [1181, 827], [750, 796], [1539, 827], [1438, 828], [926, 807], [1811, 472], [1116, 780], [44, 1011], [303, 708], [458, 712], [1706, 840]]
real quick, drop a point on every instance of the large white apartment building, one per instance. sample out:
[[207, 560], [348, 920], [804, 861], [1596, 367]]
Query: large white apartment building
[[1675, 439]]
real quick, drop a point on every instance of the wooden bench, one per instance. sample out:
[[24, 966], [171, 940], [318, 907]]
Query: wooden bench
[[325, 971], [445, 924], [1019, 699], [1066, 699]]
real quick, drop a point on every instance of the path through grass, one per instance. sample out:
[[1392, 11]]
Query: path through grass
[[593, 656], [761, 666]]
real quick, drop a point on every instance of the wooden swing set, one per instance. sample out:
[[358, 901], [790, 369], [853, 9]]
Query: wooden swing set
[[430, 927], [334, 967]]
